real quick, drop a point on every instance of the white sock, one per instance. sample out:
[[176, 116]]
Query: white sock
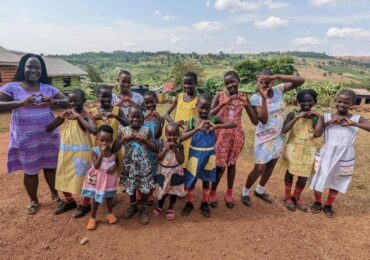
[[245, 191], [260, 189]]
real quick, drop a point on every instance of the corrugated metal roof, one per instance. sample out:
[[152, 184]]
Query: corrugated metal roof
[[361, 91]]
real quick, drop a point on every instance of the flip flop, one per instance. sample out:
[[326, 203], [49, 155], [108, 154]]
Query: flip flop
[[170, 214], [32, 208]]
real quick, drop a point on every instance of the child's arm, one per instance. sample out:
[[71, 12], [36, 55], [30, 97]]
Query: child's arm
[[159, 129], [362, 123], [332, 121], [162, 154], [121, 118], [114, 168], [58, 121], [186, 134], [217, 106], [220, 124], [261, 111], [96, 160], [120, 140], [290, 121], [178, 149], [318, 128], [86, 122], [290, 82], [251, 112], [167, 115], [147, 140]]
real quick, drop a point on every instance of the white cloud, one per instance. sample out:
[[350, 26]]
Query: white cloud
[[271, 22], [157, 13], [168, 17], [208, 3], [320, 3], [207, 26], [307, 40], [241, 40], [175, 39], [348, 32], [239, 5]]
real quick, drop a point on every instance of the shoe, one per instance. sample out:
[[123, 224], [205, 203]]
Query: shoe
[[157, 211], [91, 225], [206, 212], [144, 216], [264, 196], [289, 204], [213, 204], [247, 200], [82, 211], [229, 202], [316, 207], [170, 214], [111, 218], [188, 208], [329, 212], [299, 204], [65, 207], [130, 212]]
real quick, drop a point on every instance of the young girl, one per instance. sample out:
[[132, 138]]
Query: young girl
[[170, 177], [299, 155], [101, 180], [126, 97], [269, 108], [337, 156], [136, 140], [74, 158], [185, 104], [229, 105], [202, 154]]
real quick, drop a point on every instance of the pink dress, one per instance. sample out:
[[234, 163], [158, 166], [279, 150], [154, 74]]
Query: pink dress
[[229, 142], [98, 184]]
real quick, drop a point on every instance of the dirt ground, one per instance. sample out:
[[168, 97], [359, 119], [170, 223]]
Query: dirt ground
[[314, 73], [261, 232]]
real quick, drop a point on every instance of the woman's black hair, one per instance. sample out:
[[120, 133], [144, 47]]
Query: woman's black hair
[[79, 92], [106, 128], [102, 86], [192, 75], [349, 93], [152, 94], [19, 75], [266, 72], [205, 96], [232, 73], [125, 72], [307, 91]]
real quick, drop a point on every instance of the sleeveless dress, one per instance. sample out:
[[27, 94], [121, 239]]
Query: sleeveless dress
[[170, 177], [31, 147], [74, 159], [98, 184], [269, 141], [229, 142], [152, 125], [136, 97], [336, 160], [202, 156], [300, 149], [185, 111]]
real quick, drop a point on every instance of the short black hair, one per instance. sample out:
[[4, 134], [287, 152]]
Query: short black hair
[[173, 125], [266, 72], [101, 87], [307, 91], [79, 92], [131, 109], [205, 96], [126, 72], [19, 75], [232, 73], [192, 75], [106, 128], [151, 93], [349, 93]]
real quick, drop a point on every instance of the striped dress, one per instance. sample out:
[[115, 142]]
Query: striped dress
[[31, 147], [336, 160]]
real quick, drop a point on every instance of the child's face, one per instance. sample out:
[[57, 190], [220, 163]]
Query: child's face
[[189, 85], [203, 107], [124, 81], [105, 138], [307, 103], [264, 83], [172, 134], [343, 104], [231, 84], [150, 103], [105, 97], [32, 69], [75, 101], [136, 118]]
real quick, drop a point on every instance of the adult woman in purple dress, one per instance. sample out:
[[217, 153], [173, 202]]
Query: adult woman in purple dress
[[31, 147]]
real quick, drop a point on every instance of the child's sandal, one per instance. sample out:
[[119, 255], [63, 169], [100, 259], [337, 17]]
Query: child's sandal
[[91, 225], [316, 207], [289, 204], [329, 212], [299, 204], [131, 211], [157, 211], [170, 214], [111, 218], [188, 208], [213, 204], [206, 212], [229, 202], [32, 208]]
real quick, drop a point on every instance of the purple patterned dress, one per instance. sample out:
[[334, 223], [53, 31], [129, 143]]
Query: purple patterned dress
[[31, 147]]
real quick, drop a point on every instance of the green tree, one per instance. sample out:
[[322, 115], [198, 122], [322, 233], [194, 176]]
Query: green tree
[[93, 74]]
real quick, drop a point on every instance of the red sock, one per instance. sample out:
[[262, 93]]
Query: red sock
[[85, 202], [68, 198], [205, 195], [318, 196], [331, 197], [229, 195], [288, 190], [297, 192], [189, 197], [212, 195]]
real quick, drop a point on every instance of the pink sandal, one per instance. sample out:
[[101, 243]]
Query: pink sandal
[[157, 211], [170, 215]]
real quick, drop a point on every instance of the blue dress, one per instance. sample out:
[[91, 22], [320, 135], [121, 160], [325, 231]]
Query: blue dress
[[202, 157], [152, 125]]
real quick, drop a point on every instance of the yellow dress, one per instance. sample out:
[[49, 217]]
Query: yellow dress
[[74, 158], [114, 123], [185, 111], [300, 149]]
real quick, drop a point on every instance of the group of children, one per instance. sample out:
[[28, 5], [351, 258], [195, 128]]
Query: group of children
[[201, 141]]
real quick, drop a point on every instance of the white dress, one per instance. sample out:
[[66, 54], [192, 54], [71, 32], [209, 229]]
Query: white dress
[[335, 163], [136, 97]]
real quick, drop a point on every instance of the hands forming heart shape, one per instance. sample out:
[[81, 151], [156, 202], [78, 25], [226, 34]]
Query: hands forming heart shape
[[206, 126], [241, 100]]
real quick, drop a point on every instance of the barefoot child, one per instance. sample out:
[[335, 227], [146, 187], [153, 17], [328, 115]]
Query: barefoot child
[[101, 180], [170, 177], [202, 154], [74, 159], [185, 104], [299, 154], [136, 140], [268, 104], [337, 156], [228, 106]]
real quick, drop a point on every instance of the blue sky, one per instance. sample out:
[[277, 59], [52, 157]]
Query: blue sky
[[337, 27]]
